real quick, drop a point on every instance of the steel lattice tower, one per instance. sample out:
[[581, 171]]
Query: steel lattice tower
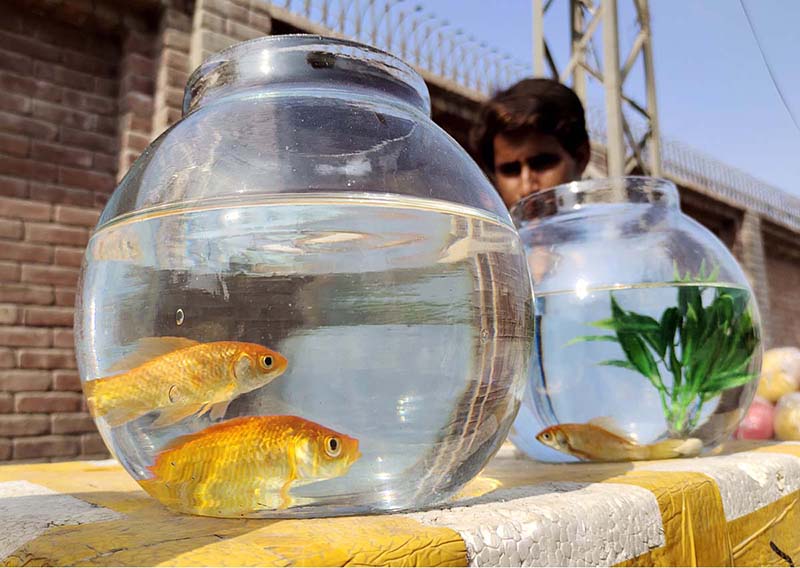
[[625, 151]]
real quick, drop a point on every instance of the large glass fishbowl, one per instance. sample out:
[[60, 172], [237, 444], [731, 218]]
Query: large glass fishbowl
[[304, 298], [647, 334]]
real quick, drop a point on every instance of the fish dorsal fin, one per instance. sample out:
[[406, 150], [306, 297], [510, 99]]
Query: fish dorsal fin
[[148, 348], [608, 423]]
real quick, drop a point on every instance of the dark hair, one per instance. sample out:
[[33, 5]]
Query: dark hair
[[542, 106]]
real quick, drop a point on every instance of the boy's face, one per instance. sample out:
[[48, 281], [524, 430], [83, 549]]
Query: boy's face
[[531, 162]]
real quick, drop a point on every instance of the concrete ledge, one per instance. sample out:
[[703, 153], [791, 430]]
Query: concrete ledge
[[733, 509]]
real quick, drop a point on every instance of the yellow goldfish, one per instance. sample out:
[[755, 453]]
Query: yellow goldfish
[[591, 441], [180, 377], [247, 464]]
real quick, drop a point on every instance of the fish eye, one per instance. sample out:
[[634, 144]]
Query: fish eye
[[546, 436], [267, 361], [333, 447]]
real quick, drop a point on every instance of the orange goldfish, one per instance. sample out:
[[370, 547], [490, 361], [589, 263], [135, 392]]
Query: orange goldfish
[[180, 377], [247, 464], [593, 442]]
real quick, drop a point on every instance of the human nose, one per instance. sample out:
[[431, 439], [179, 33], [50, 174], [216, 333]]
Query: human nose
[[529, 179]]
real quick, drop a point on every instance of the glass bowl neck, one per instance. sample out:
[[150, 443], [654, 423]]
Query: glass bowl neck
[[304, 62], [585, 196]]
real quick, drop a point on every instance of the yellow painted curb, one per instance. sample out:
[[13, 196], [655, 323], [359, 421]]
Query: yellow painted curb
[[696, 531]]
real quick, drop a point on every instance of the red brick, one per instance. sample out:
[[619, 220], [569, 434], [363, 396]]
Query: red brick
[[9, 314], [93, 444], [57, 275], [174, 97], [137, 103], [58, 194], [137, 142], [13, 187], [63, 338], [105, 87], [18, 104], [139, 65], [262, 22], [72, 423], [6, 358], [64, 116], [76, 216], [18, 146], [24, 209], [14, 250], [37, 129], [29, 87], [15, 62], [91, 103], [88, 140], [46, 359], [20, 380], [137, 83], [65, 296], [5, 449], [48, 316], [23, 44], [47, 402], [10, 271], [136, 42], [6, 403], [24, 168], [14, 425], [69, 256], [211, 21], [67, 156], [106, 125], [66, 381], [63, 76], [16, 336], [93, 181], [11, 229], [175, 59], [39, 446], [105, 163], [242, 31], [176, 39], [56, 234], [25, 293], [81, 61]]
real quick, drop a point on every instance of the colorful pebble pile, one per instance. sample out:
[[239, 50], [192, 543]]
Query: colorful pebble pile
[[775, 412]]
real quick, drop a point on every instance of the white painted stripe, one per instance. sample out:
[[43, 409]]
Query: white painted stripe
[[555, 524], [27, 510], [747, 481]]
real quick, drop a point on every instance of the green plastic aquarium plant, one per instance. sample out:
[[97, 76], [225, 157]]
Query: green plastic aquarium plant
[[707, 349]]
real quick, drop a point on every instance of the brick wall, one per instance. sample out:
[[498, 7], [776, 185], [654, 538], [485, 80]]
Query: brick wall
[[58, 161], [783, 275], [84, 87]]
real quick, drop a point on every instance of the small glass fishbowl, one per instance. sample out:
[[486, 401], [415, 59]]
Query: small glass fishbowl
[[304, 298], [647, 335]]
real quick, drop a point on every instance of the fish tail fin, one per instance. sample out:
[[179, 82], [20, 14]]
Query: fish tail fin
[[100, 406], [674, 449], [155, 489]]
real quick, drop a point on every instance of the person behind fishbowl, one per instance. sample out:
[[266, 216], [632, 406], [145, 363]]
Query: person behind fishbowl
[[529, 138]]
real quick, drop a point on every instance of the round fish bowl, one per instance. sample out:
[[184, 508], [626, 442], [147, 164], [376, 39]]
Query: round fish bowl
[[648, 337], [304, 298]]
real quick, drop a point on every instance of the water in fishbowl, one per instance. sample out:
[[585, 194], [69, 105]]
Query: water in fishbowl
[[652, 371], [301, 356]]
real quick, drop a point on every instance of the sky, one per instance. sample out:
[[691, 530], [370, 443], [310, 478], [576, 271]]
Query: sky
[[713, 89]]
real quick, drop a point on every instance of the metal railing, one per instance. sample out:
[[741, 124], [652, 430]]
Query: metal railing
[[442, 51]]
